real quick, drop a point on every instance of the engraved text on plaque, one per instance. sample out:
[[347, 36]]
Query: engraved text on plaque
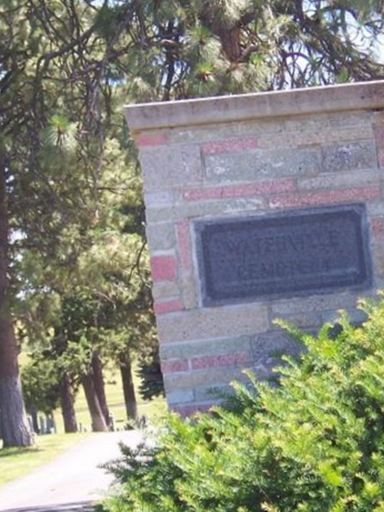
[[291, 253]]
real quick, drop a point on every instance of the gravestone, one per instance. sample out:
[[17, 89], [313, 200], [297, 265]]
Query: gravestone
[[258, 206]]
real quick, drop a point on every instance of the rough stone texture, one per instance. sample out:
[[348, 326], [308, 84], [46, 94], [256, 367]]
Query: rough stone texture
[[168, 306], [178, 164], [240, 156], [326, 197], [254, 165], [247, 190], [210, 347], [206, 323], [174, 366], [180, 396], [192, 379], [314, 100], [334, 180], [229, 146], [219, 360], [164, 268], [161, 236], [353, 155], [165, 290]]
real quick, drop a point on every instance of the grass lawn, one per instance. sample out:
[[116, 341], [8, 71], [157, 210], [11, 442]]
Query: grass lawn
[[16, 462]]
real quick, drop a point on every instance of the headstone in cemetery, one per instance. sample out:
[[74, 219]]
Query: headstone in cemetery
[[259, 206]]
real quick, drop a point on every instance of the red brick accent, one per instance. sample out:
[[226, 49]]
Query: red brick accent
[[215, 361], [377, 225], [190, 410], [174, 366], [325, 196], [184, 243], [145, 139], [229, 145], [380, 157], [243, 190], [379, 134], [168, 306], [379, 138], [164, 268]]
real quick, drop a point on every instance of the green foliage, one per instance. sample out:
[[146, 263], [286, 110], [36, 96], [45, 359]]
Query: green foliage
[[314, 443], [40, 382], [149, 371]]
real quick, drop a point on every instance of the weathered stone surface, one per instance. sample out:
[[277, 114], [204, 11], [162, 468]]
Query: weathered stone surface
[[209, 347], [160, 214], [189, 289], [313, 303], [161, 236], [164, 267], [232, 145], [260, 188], [163, 290], [217, 322], [306, 320], [292, 131], [379, 135], [203, 209], [183, 229], [193, 379], [375, 207], [319, 134], [221, 360], [180, 396], [326, 197], [261, 164], [353, 155], [180, 211], [356, 316], [377, 227], [268, 349], [159, 198], [168, 306], [153, 139], [174, 366], [341, 180], [313, 100], [170, 166]]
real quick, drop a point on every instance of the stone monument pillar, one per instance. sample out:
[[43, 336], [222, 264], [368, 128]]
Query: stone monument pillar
[[258, 206]]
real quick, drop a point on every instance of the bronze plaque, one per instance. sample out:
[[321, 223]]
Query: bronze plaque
[[292, 253]]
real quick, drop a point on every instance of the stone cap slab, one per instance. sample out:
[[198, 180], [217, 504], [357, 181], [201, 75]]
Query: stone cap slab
[[225, 109]]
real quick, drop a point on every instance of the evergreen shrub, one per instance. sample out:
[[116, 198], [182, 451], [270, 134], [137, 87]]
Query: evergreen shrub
[[314, 443]]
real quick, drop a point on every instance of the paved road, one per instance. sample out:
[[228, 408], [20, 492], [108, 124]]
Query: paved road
[[70, 483], [68, 507]]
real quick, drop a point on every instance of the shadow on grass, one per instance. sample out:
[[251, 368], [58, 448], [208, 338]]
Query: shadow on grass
[[84, 506], [13, 452]]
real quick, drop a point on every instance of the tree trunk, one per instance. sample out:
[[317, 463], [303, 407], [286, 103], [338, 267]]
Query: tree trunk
[[13, 419], [98, 380], [35, 423], [128, 387], [67, 402], [98, 421]]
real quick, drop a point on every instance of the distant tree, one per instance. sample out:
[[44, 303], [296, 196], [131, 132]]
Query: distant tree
[[40, 388]]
